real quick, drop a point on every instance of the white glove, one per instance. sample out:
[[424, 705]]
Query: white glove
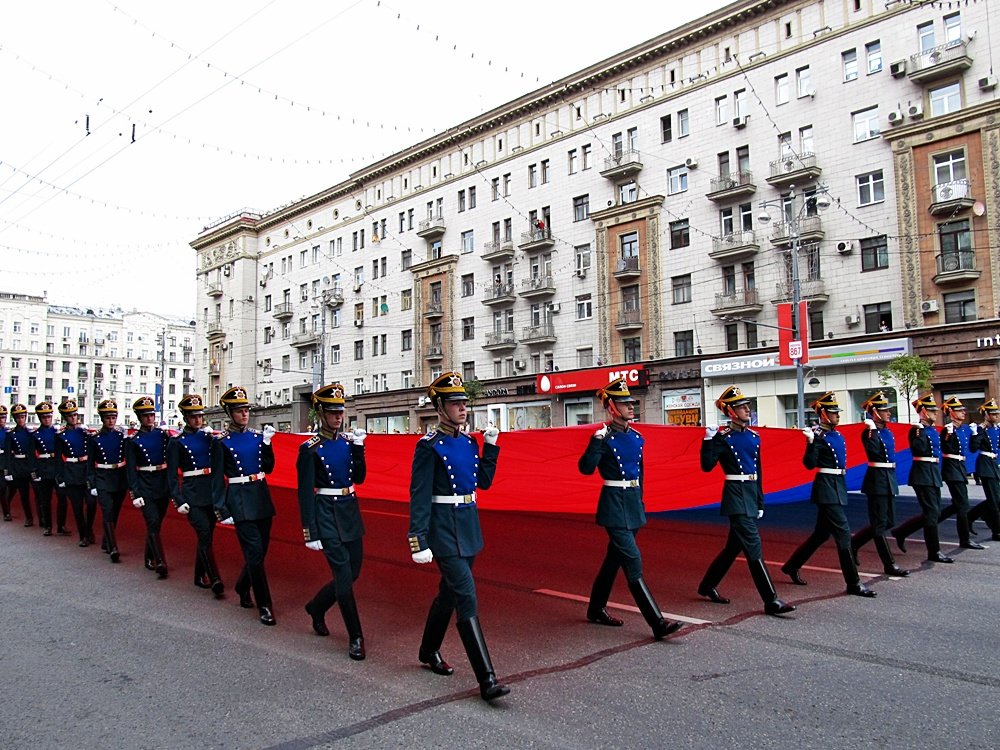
[[268, 434], [316, 546], [94, 492], [208, 430], [227, 521], [711, 431], [61, 485], [184, 509], [917, 423], [950, 427], [975, 428], [138, 502], [490, 435], [599, 434], [9, 477], [35, 477], [810, 435], [422, 557], [870, 424], [760, 513], [358, 436]]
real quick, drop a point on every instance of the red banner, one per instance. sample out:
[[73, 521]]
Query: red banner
[[786, 334]]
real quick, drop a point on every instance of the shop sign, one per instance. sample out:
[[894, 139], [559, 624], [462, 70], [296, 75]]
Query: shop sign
[[636, 376], [825, 356]]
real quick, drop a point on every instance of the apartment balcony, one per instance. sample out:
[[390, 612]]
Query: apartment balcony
[[810, 290], [333, 297], [189, 380], [214, 290], [794, 170], [306, 340], [735, 246], [502, 250], [623, 165], [732, 185], [956, 267], [431, 228], [739, 302], [629, 320], [434, 353], [82, 375], [627, 268], [499, 294], [537, 286], [499, 341], [433, 309], [283, 311], [539, 238], [951, 197], [215, 331], [540, 334], [810, 230], [943, 61], [99, 341], [187, 349], [214, 368]]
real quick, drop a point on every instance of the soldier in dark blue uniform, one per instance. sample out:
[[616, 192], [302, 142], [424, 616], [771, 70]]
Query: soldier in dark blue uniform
[[20, 453], [106, 473], [7, 480], [189, 469], [43, 472], [955, 439], [71, 470], [146, 469], [925, 479], [444, 527], [615, 450], [880, 484], [826, 451], [329, 466], [986, 441], [241, 460], [736, 448]]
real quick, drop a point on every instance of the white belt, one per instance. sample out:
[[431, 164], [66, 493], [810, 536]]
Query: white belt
[[44, 455], [110, 466], [988, 454], [158, 467], [741, 477], [248, 478], [881, 465], [19, 455], [824, 470], [455, 499], [954, 456], [335, 490], [74, 459], [926, 459], [621, 482], [196, 472]]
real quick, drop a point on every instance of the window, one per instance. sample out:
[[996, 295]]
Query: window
[[871, 188], [468, 370], [945, 99], [680, 234], [286, 363], [461, 201], [949, 167], [873, 56], [721, 110], [468, 285], [584, 307], [806, 143], [617, 145], [866, 124], [406, 340], [666, 129], [878, 317], [781, 89], [803, 82], [681, 286], [495, 188], [816, 331], [359, 349], [677, 180], [585, 358], [545, 171], [960, 307], [632, 349], [581, 207], [472, 198], [506, 184], [925, 35], [683, 343], [751, 333], [586, 156], [468, 241], [582, 258], [573, 157], [952, 29], [406, 378], [740, 103], [732, 333], [468, 329], [628, 192], [683, 124], [955, 237], [532, 175], [405, 259], [874, 253], [849, 62], [406, 299], [629, 245], [729, 280]]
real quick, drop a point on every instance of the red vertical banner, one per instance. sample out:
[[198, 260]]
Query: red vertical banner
[[804, 330], [786, 341]]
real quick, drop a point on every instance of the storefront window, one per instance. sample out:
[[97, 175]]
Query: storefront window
[[789, 404], [858, 397], [388, 423], [579, 412], [529, 416], [682, 406]]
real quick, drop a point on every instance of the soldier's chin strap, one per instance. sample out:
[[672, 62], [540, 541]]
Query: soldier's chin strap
[[613, 410]]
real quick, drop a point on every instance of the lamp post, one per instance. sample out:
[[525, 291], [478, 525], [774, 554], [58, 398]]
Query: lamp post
[[793, 216], [325, 302]]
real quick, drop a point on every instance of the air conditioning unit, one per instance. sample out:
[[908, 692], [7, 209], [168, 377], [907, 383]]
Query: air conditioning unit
[[788, 166], [897, 69], [581, 273], [520, 364], [845, 247], [987, 83], [929, 306], [740, 122], [357, 287], [358, 322], [895, 117], [852, 320], [557, 307], [691, 163], [915, 111]]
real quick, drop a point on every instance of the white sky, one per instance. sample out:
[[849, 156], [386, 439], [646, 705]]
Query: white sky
[[97, 220]]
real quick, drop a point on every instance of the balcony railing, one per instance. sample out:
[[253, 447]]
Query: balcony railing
[[500, 340], [629, 318], [945, 60], [737, 302], [214, 368], [498, 250], [625, 164], [496, 293], [434, 309], [435, 351], [431, 227], [734, 246], [309, 338], [283, 310], [956, 266], [215, 329], [732, 185], [537, 285], [214, 290], [949, 197], [794, 169], [628, 266], [537, 238], [810, 229], [810, 289], [539, 334]]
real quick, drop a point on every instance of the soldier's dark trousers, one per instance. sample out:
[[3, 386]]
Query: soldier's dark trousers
[[622, 553], [254, 538], [988, 509], [881, 517], [6, 494], [111, 504], [743, 537], [959, 508], [43, 501], [21, 486], [202, 520], [62, 507], [929, 498], [84, 509], [831, 520], [457, 588], [344, 559], [152, 513]]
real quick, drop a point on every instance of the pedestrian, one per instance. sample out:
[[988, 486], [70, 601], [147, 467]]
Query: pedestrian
[[329, 466], [43, 472], [955, 438], [736, 448], [71, 470], [146, 470], [880, 485], [615, 451], [826, 451], [20, 453], [986, 440], [241, 460], [189, 469], [106, 474], [7, 483], [925, 479], [444, 527]]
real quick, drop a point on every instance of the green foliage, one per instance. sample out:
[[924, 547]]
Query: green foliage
[[473, 389], [910, 373]]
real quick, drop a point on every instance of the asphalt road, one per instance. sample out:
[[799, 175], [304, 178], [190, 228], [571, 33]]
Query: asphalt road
[[102, 655]]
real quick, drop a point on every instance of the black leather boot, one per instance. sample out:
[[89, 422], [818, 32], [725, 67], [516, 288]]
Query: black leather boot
[[325, 598], [479, 657], [964, 538], [242, 589], [934, 546], [430, 645], [600, 591], [714, 575], [851, 577], [261, 592], [888, 562], [159, 559], [905, 529], [109, 535], [650, 611], [212, 571], [200, 580], [762, 580], [793, 573], [356, 639]]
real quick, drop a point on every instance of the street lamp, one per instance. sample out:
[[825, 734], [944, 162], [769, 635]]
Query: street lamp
[[793, 215], [326, 301]]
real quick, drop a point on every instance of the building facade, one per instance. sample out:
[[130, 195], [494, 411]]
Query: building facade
[[612, 221]]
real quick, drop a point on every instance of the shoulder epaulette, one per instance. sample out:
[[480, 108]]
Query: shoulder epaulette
[[314, 440], [636, 431], [430, 435]]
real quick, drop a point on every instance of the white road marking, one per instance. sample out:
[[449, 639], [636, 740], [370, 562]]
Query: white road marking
[[623, 607]]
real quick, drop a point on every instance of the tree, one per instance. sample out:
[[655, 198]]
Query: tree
[[473, 389], [910, 373]]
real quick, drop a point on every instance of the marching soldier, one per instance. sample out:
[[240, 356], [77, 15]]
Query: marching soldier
[[737, 449], [615, 450], [444, 527], [7, 486], [71, 470], [146, 469], [925, 479], [241, 460], [20, 454], [329, 466], [106, 473], [986, 440], [43, 472], [826, 451], [880, 484], [189, 466], [955, 438]]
